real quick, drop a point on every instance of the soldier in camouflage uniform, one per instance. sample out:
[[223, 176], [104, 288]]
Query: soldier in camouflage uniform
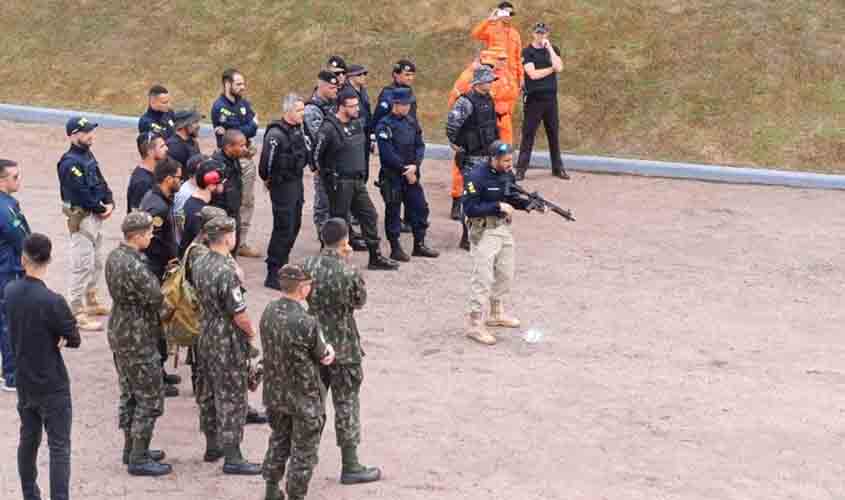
[[338, 291], [134, 333], [223, 348], [294, 348]]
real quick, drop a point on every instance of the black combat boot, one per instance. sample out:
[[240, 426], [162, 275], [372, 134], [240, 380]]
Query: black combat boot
[[396, 252], [254, 416], [405, 228], [213, 452], [171, 378], [379, 262], [140, 463], [353, 472], [559, 172], [272, 491], [421, 250], [464, 244], [236, 465], [272, 279], [456, 209], [170, 391], [520, 174], [358, 244]]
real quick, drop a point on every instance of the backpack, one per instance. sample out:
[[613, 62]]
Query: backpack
[[182, 325]]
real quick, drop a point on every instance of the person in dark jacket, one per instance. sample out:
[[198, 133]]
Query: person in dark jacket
[[234, 148], [356, 79], [283, 159], [152, 149], [209, 180], [158, 203], [159, 115], [339, 158], [13, 231], [41, 324], [404, 74], [183, 144]]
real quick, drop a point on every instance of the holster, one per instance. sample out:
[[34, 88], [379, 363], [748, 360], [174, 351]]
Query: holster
[[74, 217]]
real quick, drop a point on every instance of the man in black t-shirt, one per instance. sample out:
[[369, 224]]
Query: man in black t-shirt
[[542, 64], [209, 179]]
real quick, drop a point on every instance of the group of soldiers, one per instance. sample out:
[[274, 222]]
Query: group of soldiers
[[195, 210]]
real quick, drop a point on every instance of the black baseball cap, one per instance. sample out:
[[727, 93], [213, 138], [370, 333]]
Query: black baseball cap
[[507, 5], [404, 65], [184, 117], [541, 28], [4, 163], [336, 64], [79, 124], [328, 77]]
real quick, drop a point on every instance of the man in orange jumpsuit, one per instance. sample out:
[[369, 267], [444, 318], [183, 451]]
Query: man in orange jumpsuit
[[498, 31], [504, 91]]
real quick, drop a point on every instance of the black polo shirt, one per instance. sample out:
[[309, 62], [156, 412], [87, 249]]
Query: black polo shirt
[[546, 86]]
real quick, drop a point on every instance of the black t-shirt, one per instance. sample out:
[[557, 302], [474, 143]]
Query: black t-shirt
[[182, 151], [546, 86], [193, 223], [140, 182]]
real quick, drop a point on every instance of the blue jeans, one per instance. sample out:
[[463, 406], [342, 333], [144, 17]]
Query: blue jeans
[[5, 342], [53, 413]]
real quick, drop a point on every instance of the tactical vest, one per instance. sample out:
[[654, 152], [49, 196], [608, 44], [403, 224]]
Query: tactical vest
[[479, 130], [288, 164], [350, 158], [88, 165]]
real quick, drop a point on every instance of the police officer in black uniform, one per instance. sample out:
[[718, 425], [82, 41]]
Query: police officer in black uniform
[[340, 160], [234, 147], [401, 151], [471, 128], [159, 116], [283, 159], [404, 73]]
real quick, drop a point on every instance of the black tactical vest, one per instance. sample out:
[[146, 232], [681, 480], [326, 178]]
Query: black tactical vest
[[479, 130], [289, 164], [350, 158]]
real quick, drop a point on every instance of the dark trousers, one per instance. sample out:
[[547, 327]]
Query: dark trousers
[[537, 110], [53, 413], [287, 199], [351, 195], [8, 358], [412, 196]]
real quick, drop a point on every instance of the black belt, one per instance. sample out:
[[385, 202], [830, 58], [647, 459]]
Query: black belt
[[352, 177]]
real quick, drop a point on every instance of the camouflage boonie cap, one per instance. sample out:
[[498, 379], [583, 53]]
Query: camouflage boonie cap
[[219, 226], [293, 273], [136, 221], [483, 75], [209, 212]]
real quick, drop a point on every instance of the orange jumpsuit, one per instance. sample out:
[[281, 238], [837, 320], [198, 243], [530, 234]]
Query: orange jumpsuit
[[498, 34], [504, 93]]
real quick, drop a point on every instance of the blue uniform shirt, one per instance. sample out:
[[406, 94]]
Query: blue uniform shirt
[[160, 122], [237, 114], [13, 230], [484, 189], [81, 182], [400, 143]]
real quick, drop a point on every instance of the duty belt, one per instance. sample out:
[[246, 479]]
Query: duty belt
[[489, 222]]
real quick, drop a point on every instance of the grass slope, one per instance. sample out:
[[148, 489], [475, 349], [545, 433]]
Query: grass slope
[[745, 82]]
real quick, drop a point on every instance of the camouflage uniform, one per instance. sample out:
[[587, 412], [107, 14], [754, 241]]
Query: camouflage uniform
[[134, 333], [293, 392], [337, 291], [222, 349]]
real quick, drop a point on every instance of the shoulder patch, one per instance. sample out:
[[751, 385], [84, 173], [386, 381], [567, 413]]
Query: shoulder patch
[[76, 171], [470, 187], [158, 221], [385, 133], [384, 104], [243, 110], [237, 294]]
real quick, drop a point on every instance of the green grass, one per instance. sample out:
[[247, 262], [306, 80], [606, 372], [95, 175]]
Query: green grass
[[743, 82]]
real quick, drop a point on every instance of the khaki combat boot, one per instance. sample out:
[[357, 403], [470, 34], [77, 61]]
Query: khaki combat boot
[[86, 324], [477, 332], [499, 318], [94, 307], [248, 252]]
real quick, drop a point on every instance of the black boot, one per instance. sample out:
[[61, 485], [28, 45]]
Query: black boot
[[235, 463], [456, 209], [171, 378], [170, 391], [140, 463], [405, 228], [157, 455], [520, 174], [379, 262], [254, 416], [396, 252], [213, 452], [355, 473], [464, 244], [272, 279], [420, 250], [559, 172], [358, 244]]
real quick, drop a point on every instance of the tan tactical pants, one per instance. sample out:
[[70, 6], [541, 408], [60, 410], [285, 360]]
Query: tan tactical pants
[[492, 253], [86, 261], [248, 173]]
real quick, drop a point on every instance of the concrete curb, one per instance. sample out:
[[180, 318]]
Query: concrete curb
[[593, 164]]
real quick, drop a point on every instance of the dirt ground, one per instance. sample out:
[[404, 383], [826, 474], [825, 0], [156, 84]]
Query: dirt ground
[[691, 350]]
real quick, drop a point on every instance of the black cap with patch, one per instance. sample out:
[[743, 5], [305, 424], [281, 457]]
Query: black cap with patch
[[336, 64], [404, 65], [328, 77]]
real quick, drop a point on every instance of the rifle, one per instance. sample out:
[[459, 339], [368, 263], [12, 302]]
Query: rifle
[[537, 202]]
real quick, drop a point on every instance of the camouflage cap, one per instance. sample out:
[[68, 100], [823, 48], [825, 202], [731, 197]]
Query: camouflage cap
[[136, 221], [483, 75], [219, 226], [293, 273], [209, 212]]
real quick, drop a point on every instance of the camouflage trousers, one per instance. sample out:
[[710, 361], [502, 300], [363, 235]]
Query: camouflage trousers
[[141, 394], [344, 381], [222, 388], [248, 174], [321, 205], [297, 438]]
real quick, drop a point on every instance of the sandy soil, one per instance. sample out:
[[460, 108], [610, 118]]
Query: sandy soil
[[691, 350]]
